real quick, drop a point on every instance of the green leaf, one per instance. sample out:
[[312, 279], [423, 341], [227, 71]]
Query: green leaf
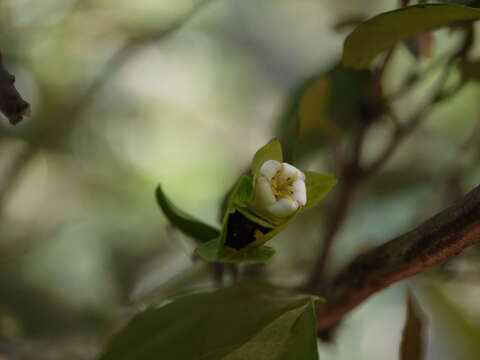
[[250, 320], [243, 192], [183, 221], [313, 109], [248, 255], [322, 110], [209, 251], [318, 185], [349, 96], [273, 341], [238, 201], [255, 218], [267, 236], [214, 251], [245, 232], [271, 151], [413, 342], [240, 229], [383, 31]]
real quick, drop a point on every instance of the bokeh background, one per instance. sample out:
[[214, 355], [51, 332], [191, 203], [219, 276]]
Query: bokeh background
[[129, 94]]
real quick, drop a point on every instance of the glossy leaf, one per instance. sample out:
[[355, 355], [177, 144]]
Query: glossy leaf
[[318, 185], [413, 342], [271, 151], [184, 222], [250, 320], [383, 31]]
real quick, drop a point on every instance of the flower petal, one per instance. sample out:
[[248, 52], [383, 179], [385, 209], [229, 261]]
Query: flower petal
[[263, 192], [283, 208], [300, 192], [289, 173], [270, 168]]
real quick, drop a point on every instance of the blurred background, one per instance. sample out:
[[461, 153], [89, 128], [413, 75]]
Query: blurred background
[[129, 94]]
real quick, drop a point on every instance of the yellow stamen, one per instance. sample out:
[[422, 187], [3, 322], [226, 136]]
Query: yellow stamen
[[285, 189]]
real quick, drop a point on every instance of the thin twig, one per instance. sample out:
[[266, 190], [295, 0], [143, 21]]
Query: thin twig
[[355, 172]]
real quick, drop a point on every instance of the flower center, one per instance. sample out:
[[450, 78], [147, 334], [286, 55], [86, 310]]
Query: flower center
[[281, 187]]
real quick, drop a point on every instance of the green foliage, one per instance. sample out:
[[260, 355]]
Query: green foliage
[[350, 91], [271, 151], [318, 186], [313, 108], [244, 232], [213, 251], [241, 230], [413, 342], [323, 109], [243, 192], [105, 167], [183, 221], [383, 31], [250, 320]]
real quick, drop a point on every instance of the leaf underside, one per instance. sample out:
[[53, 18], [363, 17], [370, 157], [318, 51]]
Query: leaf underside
[[250, 320]]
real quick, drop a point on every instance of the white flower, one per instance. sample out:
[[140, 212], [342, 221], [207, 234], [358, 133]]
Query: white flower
[[280, 189]]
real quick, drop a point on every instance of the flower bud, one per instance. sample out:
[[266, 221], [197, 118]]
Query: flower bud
[[279, 189]]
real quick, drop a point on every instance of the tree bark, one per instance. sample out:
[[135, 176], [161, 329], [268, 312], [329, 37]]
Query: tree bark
[[445, 235]]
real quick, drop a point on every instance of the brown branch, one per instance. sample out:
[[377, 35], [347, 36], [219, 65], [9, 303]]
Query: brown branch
[[356, 173], [12, 104], [445, 235]]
